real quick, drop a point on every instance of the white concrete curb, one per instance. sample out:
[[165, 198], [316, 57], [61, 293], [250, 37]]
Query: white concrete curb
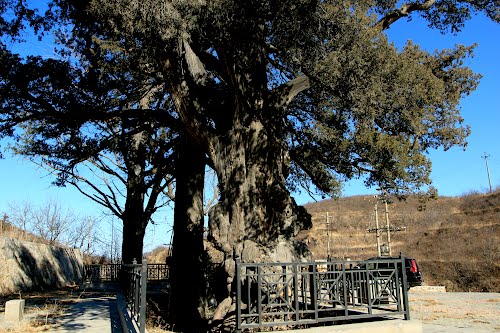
[[128, 325], [383, 326], [428, 289]]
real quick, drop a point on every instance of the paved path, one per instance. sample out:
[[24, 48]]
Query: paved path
[[90, 315]]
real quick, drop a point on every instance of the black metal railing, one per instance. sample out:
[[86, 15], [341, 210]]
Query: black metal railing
[[158, 272], [273, 294], [102, 273], [134, 279], [111, 272]]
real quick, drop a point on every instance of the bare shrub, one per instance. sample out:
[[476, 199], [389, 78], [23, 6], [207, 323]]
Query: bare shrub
[[50, 224]]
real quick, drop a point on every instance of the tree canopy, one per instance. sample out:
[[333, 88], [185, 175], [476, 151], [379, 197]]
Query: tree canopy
[[339, 97], [349, 102], [272, 95]]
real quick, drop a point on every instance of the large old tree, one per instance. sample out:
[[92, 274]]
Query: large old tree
[[273, 95]]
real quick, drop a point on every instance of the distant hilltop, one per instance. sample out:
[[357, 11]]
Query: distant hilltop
[[456, 239]]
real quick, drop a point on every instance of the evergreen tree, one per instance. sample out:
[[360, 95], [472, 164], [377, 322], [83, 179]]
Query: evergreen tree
[[272, 95]]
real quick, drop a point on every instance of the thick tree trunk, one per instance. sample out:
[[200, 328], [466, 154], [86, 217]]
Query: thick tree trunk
[[256, 218], [133, 240], [134, 226], [134, 218], [187, 301]]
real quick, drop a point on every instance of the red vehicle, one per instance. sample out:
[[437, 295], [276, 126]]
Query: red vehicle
[[413, 274]]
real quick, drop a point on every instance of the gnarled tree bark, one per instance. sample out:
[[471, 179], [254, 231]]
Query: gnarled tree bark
[[255, 218]]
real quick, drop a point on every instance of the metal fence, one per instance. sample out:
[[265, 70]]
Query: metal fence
[[111, 272], [158, 272], [272, 294], [102, 273], [134, 288], [134, 279]]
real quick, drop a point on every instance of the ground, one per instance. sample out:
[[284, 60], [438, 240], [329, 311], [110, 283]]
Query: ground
[[438, 312], [44, 310], [456, 312], [41, 309]]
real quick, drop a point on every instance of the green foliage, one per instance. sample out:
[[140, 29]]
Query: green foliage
[[367, 108]]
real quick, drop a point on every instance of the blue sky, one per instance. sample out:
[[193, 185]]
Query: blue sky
[[455, 172]]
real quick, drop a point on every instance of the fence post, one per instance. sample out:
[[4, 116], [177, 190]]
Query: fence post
[[238, 295], [405, 287], [144, 283], [344, 288], [296, 291], [367, 289], [313, 291]]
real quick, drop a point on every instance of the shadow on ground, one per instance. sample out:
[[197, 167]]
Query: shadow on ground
[[91, 315]]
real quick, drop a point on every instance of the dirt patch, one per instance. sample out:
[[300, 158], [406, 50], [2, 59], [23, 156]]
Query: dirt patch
[[42, 308], [456, 312]]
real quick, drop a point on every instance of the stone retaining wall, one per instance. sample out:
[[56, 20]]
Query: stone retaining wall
[[28, 266]]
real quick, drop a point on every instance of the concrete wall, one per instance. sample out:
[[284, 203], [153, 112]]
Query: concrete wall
[[28, 266]]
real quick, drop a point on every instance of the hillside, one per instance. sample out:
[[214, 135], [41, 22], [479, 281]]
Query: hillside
[[455, 239]]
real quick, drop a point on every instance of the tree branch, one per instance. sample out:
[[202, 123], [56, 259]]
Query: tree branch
[[285, 93], [152, 204], [170, 191], [405, 10], [182, 87]]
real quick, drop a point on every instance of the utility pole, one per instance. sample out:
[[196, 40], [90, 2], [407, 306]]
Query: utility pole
[[377, 229], [327, 217], [328, 235], [88, 236], [387, 225], [487, 169], [384, 249]]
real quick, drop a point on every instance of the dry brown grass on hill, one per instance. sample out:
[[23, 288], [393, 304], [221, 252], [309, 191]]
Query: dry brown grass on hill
[[11, 231], [158, 255], [455, 239]]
